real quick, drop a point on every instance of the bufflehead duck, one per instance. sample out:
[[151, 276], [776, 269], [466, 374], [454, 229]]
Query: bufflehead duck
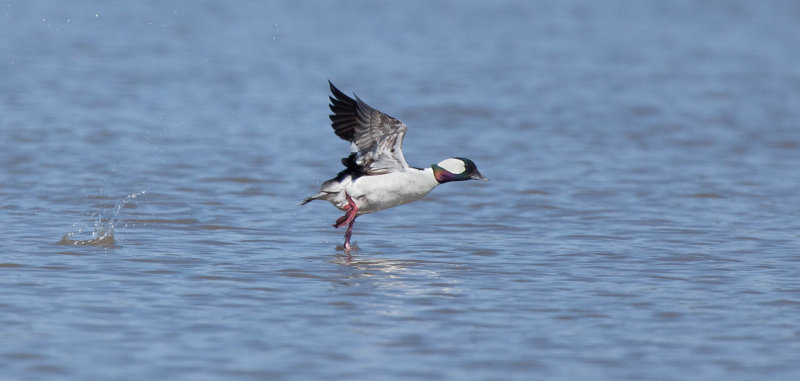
[[377, 176]]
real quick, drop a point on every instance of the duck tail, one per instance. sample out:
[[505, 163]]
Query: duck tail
[[317, 196]]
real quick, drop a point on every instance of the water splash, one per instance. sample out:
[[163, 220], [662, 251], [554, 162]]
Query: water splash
[[103, 232]]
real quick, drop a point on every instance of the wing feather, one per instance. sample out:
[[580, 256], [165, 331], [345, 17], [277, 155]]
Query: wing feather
[[377, 138]]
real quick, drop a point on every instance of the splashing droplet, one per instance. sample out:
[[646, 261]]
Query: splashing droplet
[[103, 232]]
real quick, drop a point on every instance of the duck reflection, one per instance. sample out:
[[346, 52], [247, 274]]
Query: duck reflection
[[412, 277]]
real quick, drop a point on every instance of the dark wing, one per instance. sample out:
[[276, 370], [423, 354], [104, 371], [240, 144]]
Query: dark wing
[[376, 137]]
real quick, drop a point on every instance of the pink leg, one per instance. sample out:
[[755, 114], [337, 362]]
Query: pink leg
[[352, 210], [350, 219], [348, 234], [340, 221]]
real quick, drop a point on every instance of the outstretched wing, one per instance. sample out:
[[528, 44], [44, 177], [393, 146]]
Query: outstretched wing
[[375, 136]]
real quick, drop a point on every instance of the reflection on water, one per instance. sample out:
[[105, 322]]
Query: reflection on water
[[406, 277], [366, 266]]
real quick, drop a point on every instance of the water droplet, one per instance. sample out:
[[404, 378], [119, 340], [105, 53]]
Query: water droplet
[[103, 232]]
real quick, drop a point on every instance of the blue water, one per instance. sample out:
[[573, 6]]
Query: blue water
[[642, 221]]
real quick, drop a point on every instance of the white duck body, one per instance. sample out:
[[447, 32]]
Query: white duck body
[[374, 193], [378, 192]]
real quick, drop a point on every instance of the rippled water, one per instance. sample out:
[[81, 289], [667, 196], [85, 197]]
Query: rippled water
[[642, 221]]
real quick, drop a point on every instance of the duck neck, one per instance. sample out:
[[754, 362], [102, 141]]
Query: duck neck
[[431, 177]]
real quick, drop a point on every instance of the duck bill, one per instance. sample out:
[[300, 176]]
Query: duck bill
[[479, 176]]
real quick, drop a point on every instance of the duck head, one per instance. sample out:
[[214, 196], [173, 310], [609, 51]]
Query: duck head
[[456, 169]]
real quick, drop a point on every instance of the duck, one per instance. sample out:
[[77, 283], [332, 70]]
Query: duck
[[376, 174]]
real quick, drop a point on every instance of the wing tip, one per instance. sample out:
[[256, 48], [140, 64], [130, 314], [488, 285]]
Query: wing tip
[[338, 95]]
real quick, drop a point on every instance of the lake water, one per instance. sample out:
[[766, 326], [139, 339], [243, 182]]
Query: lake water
[[642, 222]]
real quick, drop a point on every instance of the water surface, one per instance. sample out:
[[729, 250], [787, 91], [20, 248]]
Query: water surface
[[642, 221]]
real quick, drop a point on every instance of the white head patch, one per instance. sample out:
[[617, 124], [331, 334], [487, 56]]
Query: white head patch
[[451, 165]]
